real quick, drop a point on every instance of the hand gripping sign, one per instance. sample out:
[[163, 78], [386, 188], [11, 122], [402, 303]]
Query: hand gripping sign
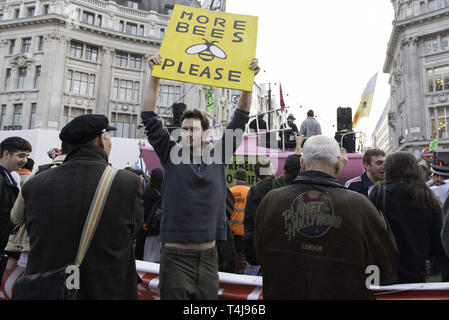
[[208, 47]]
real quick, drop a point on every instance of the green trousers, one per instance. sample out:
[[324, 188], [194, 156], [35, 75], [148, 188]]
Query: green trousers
[[188, 274]]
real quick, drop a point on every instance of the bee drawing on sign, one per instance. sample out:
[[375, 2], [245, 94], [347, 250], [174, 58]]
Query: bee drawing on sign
[[206, 51]]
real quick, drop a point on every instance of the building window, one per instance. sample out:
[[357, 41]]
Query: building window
[[69, 80], [91, 53], [141, 30], [71, 113], [99, 20], [3, 117], [439, 4], [131, 28], [438, 79], [431, 5], [21, 78], [80, 83], [121, 59], [135, 61], [126, 125], [41, 43], [422, 7], [133, 4], [16, 13], [169, 95], [445, 42], [7, 78], [12, 44], [76, 49], [33, 116], [88, 17], [37, 77], [126, 90], [30, 11], [16, 116], [439, 121], [162, 33], [121, 26], [26, 45], [46, 9]]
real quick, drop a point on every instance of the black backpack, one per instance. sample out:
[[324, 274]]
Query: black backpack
[[153, 222]]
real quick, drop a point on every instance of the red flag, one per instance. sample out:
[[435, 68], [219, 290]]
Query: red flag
[[281, 97]]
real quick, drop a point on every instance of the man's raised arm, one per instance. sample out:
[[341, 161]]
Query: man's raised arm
[[149, 99], [246, 96]]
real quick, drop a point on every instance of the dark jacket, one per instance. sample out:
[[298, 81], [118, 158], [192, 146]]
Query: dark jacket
[[194, 201], [359, 184], [152, 200], [314, 240], [416, 231], [226, 248], [8, 195], [57, 202]]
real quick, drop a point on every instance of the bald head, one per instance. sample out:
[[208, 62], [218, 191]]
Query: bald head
[[321, 153]]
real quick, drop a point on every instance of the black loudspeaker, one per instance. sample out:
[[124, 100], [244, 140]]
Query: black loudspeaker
[[348, 140], [177, 110], [344, 119]]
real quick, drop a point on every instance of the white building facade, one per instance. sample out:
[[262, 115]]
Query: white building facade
[[418, 64], [63, 58], [60, 59]]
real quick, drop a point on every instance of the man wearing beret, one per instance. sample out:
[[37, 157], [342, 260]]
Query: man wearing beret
[[194, 195], [58, 201]]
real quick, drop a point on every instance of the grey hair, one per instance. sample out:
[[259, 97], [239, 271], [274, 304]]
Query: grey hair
[[321, 148]]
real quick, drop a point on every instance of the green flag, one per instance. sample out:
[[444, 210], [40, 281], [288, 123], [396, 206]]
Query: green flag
[[434, 144], [210, 101]]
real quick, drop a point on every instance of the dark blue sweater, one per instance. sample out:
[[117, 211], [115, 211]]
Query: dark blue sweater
[[194, 195]]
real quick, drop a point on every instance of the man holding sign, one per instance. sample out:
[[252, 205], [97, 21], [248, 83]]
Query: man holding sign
[[194, 190]]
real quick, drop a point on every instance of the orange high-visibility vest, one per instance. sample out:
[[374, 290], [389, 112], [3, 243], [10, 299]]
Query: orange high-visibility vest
[[240, 192]]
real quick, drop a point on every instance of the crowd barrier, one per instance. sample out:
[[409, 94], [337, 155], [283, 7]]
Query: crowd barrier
[[243, 287]]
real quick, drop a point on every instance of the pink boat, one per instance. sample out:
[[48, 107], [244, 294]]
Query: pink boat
[[250, 150]]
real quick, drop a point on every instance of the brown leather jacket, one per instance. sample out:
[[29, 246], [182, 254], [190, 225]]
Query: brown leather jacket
[[315, 239]]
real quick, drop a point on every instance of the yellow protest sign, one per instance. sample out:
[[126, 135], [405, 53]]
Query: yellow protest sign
[[209, 47]]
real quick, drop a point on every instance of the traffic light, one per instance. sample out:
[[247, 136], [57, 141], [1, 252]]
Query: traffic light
[[344, 119]]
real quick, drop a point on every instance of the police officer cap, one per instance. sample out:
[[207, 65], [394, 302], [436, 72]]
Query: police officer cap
[[84, 128], [292, 163], [441, 171]]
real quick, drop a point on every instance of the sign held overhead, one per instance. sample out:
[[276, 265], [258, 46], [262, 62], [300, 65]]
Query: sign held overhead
[[208, 47]]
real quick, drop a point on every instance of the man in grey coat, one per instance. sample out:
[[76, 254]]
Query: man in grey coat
[[310, 127], [57, 202]]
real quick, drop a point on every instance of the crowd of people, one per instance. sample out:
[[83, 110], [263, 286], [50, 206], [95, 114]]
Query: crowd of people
[[306, 234]]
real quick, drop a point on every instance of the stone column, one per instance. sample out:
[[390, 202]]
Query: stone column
[[104, 80], [414, 103], [52, 82]]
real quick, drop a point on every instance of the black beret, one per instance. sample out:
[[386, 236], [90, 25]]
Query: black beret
[[84, 128], [440, 171]]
